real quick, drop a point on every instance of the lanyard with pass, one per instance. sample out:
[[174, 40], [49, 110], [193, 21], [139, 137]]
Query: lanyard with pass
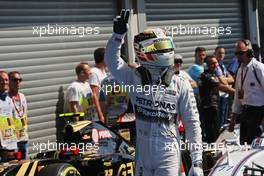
[[243, 77]]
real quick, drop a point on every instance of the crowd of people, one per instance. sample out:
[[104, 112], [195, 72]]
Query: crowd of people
[[85, 94], [220, 86], [217, 85], [202, 96]]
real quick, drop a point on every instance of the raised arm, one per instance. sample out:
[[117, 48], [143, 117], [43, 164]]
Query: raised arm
[[114, 62]]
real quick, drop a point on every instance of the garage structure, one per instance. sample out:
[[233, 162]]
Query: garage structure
[[47, 59], [204, 23]]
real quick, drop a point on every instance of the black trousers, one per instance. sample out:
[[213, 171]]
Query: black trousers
[[210, 124], [250, 120]]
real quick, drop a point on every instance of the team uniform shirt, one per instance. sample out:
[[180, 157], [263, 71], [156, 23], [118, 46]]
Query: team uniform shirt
[[20, 120], [81, 93], [7, 128], [195, 72], [156, 114], [253, 91]]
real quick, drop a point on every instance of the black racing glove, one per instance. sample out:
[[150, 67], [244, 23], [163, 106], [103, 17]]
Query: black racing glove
[[120, 22]]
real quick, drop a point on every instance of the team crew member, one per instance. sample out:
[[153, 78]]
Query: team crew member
[[157, 151], [20, 109], [249, 94], [98, 75], [79, 94], [7, 129]]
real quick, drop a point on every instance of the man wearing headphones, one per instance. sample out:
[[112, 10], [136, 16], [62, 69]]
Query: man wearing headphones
[[249, 94], [157, 141]]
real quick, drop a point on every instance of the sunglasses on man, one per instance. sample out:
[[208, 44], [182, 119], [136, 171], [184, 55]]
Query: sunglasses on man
[[17, 79], [240, 53]]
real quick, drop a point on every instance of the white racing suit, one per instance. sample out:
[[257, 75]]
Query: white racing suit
[[157, 143]]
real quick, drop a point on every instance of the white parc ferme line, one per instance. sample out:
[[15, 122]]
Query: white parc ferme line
[[240, 158]]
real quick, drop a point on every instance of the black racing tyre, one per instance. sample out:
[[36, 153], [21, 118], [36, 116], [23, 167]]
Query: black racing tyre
[[59, 169]]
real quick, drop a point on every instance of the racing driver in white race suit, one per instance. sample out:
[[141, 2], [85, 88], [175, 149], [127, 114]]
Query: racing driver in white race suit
[[157, 142]]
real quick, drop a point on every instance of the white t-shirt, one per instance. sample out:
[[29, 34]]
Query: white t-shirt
[[97, 76], [81, 93], [6, 107], [8, 138]]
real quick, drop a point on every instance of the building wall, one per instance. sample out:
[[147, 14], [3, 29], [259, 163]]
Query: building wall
[[205, 23]]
